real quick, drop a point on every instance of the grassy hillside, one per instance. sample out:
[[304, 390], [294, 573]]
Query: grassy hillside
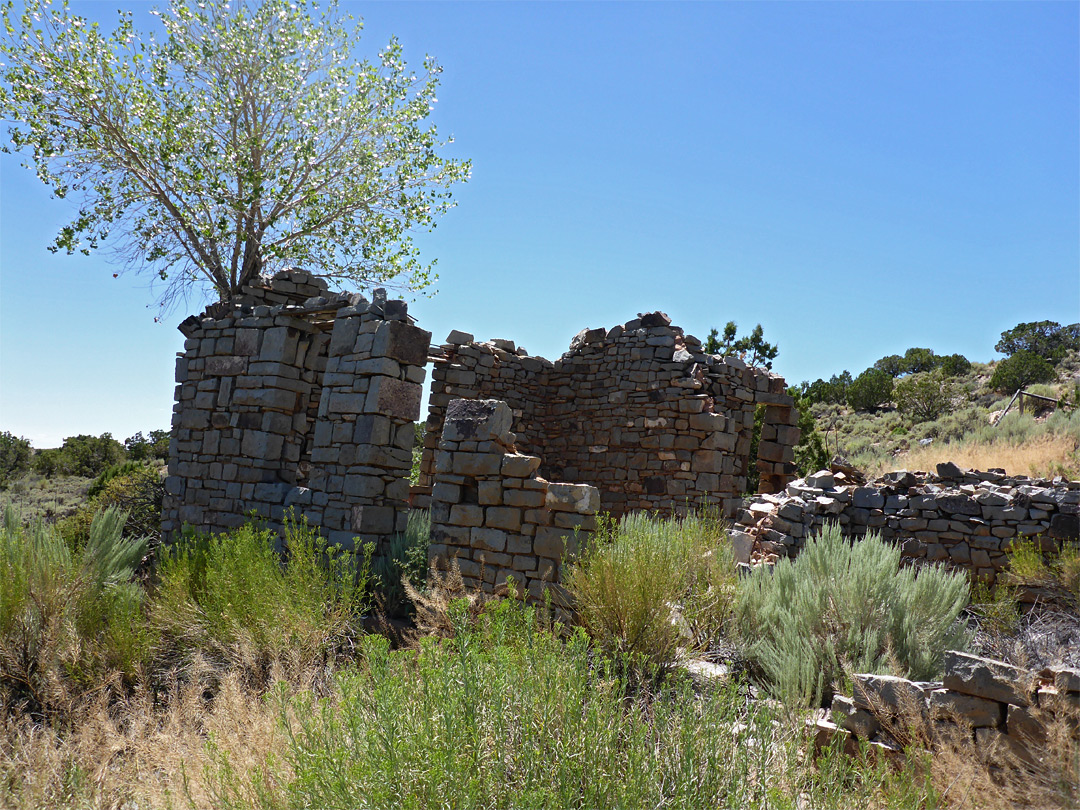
[[1042, 441]]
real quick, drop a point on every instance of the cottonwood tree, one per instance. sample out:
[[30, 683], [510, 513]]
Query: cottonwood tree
[[242, 136]]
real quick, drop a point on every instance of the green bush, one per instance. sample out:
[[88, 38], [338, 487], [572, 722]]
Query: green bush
[[233, 599], [954, 365], [626, 582], [69, 620], [135, 488], [870, 390], [15, 456], [924, 396], [841, 608], [406, 560], [1020, 370], [142, 448], [919, 361]]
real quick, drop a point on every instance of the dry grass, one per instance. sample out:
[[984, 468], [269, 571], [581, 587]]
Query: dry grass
[[51, 499], [1047, 455], [136, 754]]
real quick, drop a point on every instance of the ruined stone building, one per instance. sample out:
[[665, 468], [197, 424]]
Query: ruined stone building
[[294, 397]]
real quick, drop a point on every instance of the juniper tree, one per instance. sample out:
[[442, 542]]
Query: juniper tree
[[244, 136]]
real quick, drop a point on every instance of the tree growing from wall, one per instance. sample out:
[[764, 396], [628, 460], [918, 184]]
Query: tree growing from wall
[[753, 347], [246, 138]]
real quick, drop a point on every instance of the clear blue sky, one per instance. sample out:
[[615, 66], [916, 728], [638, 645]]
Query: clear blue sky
[[858, 178]]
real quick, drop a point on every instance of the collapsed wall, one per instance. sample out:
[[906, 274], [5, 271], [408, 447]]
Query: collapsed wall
[[293, 397], [640, 411], [967, 518], [1007, 711]]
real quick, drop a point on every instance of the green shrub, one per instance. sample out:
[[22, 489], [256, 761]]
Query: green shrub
[[924, 396], [135, 488], [626, 582], [406, 560], [1020, 370], [954, 365], [845, 607], [142, 448], [69, 620], [870, 390], [231, 599], [920, 361], [15, 456]]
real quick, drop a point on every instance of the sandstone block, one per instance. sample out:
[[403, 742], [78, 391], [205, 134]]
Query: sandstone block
[[974, 711], [579, 498], [477, 420], [519, 466], [501, 517], [986, 678], [396, 398]]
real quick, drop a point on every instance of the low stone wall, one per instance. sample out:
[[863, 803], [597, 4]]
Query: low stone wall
[[491, 510], [1005, 710], [638, 410], [308, 403], [966, 518]]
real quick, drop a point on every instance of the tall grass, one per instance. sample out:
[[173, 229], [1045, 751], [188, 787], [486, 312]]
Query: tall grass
[[505, 715], [405, 560], [230, 595], [843, 607], [639, 575], [70, 620]]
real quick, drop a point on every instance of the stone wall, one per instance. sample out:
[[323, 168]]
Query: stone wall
[[491, 510], [294, 397], [965, 517], [1005, 710], [639, 411]]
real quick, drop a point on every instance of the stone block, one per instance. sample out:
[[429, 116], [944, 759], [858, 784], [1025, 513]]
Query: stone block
[[742, 545], [889, 694], [553, 543], [519, 466], [403, 342], [396, 398], [477, 420], [466, 515], [986, 678], [489, 493], [580, 498], [279, 345], [226, 366], [343, 336], [475, 464], [974, 711], [369, 519], [488, 539], [501, 517]]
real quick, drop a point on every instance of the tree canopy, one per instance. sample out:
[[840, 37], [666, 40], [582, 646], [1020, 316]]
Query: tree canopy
[[246, 136], [1047, 339]]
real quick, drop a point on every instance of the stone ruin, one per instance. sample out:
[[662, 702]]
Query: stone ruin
[[967, 518], [294, 398], [1005, 710], [640, 411]]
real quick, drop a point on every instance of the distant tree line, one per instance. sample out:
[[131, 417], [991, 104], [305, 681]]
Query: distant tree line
[[82, 455], [922, 385]]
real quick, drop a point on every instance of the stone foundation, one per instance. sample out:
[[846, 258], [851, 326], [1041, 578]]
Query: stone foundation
[[964, 517]]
